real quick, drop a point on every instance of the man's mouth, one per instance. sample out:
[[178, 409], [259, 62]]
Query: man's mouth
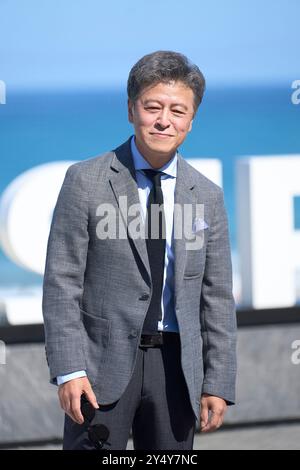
[[161, 135]]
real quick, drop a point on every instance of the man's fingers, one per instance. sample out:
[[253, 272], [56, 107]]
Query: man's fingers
[[215, 421], [75, 411], [64, 402], [91, 397], [70, 397], [203, 417], [70, 403], [216, 407]]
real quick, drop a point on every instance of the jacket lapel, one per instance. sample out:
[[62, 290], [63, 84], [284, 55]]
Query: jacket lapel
[[123, 182], [183, 195]]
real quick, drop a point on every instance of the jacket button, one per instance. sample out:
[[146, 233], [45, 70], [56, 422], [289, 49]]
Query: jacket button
[[144, 297], [133, 333]]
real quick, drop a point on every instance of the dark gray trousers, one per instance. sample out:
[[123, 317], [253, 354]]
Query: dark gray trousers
[[155, 406]]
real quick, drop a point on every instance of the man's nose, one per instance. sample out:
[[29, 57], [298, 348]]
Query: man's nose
[[163, 119]]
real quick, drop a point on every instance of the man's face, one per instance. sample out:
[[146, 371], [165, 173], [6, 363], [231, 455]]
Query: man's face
[[162, 116]]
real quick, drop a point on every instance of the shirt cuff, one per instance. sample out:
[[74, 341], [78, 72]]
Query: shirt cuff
[[61, 379]]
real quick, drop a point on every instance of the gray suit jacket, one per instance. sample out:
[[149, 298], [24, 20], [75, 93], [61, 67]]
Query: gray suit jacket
[[96, 292]]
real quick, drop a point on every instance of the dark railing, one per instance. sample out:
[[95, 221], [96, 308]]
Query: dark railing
[[245, 318]]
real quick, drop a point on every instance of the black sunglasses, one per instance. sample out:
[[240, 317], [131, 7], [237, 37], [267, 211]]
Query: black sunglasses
[[97, 433]]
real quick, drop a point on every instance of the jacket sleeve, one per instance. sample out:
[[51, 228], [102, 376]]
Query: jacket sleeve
[[217, 310], [64, 277]]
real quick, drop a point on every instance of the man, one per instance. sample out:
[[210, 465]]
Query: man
[[140, 321]]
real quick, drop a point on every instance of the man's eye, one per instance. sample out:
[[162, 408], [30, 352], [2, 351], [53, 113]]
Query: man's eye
[[152, 108], [177, 111]]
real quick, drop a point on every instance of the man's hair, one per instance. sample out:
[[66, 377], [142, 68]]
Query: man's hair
[[163, 67]]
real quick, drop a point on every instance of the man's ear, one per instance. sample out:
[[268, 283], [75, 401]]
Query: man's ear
[[130, 106], [191, 125]]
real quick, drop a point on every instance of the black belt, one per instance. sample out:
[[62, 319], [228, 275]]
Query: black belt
[[157, 339]]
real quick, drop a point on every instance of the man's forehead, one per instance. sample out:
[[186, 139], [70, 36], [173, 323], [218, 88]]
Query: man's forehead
[[176, 91]]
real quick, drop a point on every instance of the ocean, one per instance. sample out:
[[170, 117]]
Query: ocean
[[41, 127]]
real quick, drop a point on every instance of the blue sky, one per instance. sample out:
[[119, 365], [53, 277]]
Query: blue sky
[[92, 43]]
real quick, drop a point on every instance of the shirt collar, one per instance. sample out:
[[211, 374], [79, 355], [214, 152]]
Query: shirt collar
[[170, 168]]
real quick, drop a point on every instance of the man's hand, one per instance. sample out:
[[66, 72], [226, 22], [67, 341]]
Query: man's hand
[[212, 412], [69, 396]]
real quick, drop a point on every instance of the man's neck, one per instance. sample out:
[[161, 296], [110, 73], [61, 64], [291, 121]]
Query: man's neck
[[155, 160]]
